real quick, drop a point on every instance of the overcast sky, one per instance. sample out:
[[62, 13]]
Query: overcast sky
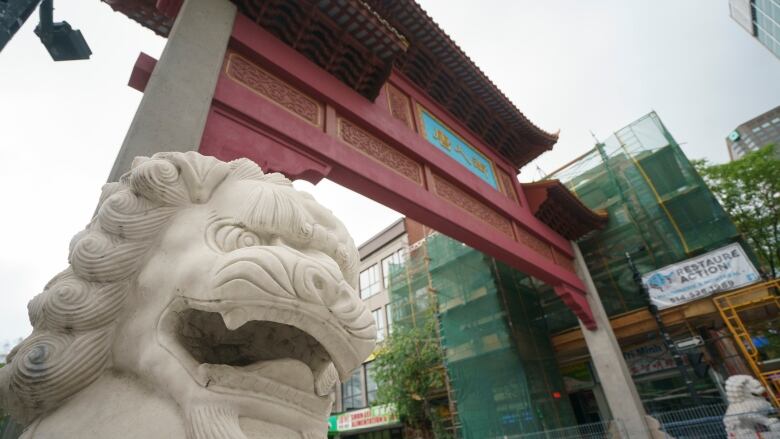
[[573, 65]]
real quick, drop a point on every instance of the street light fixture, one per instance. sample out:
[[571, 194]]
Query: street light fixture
[[63, 42]]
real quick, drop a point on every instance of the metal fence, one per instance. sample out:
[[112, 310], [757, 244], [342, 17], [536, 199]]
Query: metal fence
[[695, 422], [706, 422], [596, 430]]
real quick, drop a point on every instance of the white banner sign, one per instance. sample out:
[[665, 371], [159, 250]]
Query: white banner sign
[[719, 270]]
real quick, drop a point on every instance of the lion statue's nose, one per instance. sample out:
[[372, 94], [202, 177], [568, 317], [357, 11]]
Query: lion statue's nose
[[312, 282]]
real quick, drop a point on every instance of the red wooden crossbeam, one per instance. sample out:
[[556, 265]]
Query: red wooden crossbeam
[[277, 108]]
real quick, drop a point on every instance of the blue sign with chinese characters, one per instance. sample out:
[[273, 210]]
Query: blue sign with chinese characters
[[443, 138]]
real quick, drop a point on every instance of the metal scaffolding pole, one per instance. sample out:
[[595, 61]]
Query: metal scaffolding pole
[[670, 346]]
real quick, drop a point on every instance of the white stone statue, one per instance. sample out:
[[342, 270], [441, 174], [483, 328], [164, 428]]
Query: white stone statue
[[748, 412], [204, 300]]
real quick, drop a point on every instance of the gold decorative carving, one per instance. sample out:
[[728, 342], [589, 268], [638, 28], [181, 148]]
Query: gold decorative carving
[[444, 140], [274, 89], [400, 106], [441, 134], [464, 201], [379, 151]]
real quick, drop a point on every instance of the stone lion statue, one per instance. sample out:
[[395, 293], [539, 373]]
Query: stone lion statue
[[204, 300], [748, 412]]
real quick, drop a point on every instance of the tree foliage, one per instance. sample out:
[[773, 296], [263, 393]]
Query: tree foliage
[[749, 190], [4, 418], [408, 370]]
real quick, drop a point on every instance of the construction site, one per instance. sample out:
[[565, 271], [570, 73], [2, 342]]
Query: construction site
[[612, 298], [516, 362]]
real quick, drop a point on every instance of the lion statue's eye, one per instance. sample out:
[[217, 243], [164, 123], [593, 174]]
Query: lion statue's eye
[[226, 236]]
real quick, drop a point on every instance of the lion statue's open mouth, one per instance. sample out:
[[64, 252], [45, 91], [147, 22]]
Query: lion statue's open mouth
[[264, 331], [211, 299]]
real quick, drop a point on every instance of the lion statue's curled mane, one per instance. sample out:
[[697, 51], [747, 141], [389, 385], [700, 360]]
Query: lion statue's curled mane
[[75, 318]]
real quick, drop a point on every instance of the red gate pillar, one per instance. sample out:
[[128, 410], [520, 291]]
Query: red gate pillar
[[274, 106]]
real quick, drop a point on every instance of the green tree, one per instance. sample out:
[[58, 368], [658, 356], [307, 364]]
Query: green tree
[[4, 419], [749, 190], [408, 371]]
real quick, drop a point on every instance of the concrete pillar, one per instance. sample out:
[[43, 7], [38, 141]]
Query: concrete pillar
[[616, 382], [172, 114]]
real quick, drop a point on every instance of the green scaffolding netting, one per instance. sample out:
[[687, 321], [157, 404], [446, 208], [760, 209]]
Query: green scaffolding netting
[[499, 360], [495, 323], [659, 210]]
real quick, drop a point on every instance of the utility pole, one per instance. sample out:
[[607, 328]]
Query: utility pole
[[670, 346]]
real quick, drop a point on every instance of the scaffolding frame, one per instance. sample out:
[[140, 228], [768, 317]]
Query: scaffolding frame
[[409, 271], [660, 210], [730, 305], [488, 316]]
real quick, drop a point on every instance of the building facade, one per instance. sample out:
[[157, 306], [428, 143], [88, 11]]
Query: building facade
[[375, 96], [515, 359], [355, 398], [761, 19], [754, 134], [663, 214]]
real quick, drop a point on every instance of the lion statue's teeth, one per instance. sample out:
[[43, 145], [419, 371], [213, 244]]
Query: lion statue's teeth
[[326, 380], [207, 298]]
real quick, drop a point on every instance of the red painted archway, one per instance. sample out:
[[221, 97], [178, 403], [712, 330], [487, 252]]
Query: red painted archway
[[275, 106]]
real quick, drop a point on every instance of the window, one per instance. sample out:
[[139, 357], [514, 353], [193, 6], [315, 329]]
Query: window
[[379, 319], [776, 120], [389, 311], [756, 129], [396, 259], [352, 391], [371, 386], [369, 281]]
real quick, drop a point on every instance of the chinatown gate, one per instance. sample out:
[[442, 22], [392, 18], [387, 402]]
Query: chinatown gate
[[374, 96]]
